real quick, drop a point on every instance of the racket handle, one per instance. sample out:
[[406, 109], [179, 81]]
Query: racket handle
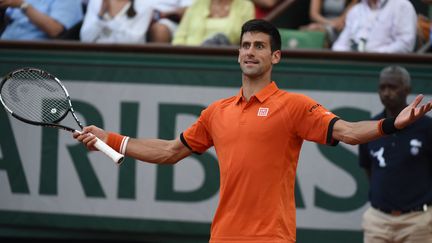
[[108, 151]]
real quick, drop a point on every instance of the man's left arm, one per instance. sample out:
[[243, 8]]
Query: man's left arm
[[366, 131]]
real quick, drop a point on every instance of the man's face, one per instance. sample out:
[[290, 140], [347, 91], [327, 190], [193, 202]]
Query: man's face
[[393, 91], [255, 55]]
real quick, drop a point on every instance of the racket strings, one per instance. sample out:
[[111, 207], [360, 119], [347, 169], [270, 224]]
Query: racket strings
[[35, 96]]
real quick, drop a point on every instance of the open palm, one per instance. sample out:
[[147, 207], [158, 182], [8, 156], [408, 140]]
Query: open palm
[[411, 113]]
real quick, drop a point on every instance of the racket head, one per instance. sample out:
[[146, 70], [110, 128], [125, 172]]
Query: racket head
[[36, 97]]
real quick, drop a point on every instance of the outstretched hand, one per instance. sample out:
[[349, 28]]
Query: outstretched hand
[[411, 113], [88, 136]]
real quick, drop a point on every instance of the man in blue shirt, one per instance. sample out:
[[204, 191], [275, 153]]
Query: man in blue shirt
[[399, 167], [39, 19]]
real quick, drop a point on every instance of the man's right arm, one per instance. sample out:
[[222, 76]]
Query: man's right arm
[[157, 150], [149, 150]]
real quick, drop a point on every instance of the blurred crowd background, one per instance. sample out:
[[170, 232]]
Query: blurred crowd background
[[384, 26]]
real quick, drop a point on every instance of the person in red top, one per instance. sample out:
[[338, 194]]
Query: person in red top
[[257, 135]]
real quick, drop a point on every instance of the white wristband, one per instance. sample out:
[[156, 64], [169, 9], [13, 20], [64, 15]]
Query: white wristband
[[124, 145]]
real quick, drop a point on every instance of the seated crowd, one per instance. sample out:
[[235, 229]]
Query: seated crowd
[[347, 25]]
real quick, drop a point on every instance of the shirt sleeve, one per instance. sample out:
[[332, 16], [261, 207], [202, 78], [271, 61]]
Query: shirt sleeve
[[198, 136], [313, 122]]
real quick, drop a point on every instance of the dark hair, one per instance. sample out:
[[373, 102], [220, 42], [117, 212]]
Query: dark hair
[[131, 10], [259, 25]]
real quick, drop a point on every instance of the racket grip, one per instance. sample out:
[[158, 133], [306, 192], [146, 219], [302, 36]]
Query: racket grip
[[108, 151]]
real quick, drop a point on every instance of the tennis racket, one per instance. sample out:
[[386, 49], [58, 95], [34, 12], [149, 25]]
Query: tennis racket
[[38, 98]]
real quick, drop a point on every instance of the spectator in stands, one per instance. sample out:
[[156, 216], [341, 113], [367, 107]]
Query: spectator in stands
[[399, 168], [39, 19], [379, 26], [116, 21], [166, 18], [328, 16], [264, 7], [213, 22], [428, 47]]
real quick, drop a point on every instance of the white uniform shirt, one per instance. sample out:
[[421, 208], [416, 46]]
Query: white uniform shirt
[[391, 28]]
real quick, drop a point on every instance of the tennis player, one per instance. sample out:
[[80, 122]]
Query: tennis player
[[257, 135]]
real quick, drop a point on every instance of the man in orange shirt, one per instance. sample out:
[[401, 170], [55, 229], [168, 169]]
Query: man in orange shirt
[[257, 135]]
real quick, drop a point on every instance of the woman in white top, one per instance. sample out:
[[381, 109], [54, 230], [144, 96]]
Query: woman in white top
[[116, 21]]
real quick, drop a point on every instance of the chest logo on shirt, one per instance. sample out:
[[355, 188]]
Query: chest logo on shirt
[[415, 146], [263, 111], [380, 156]]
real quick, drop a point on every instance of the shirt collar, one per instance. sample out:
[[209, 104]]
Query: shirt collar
[[262, 95]]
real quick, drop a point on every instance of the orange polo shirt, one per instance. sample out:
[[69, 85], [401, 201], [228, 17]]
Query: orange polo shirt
[[258, 145]]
